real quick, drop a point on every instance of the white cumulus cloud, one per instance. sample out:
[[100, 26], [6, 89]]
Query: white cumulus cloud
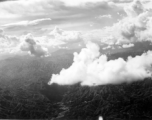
[[90, 68]]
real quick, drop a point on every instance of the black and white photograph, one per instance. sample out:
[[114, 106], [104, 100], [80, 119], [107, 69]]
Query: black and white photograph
[[76, 59]]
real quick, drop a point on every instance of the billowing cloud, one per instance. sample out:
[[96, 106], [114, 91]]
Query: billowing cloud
[[137, 21], [31, 46], [128, 45], [89, 68], [137, 24], [134, 27], [134, 9]]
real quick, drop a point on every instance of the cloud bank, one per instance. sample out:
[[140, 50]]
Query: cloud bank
[[89, 68]]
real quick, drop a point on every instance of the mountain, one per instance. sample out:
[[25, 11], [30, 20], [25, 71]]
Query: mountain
[[24, 92], [121, 102]]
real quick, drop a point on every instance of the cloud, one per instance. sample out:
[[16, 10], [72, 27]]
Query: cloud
[[137, 23], [104, 16], [89, 68], [128, 45], [134, 9], [6, 0], [80, 2], [31, 46], [106, 47], [66, 36], [1, 31], [40, 45], [8, 42], [134, 27], [27, 24], [59, 11]]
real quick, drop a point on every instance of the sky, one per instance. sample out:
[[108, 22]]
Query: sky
[[41, 16], [58, 22], [22, 16], [39, 27]]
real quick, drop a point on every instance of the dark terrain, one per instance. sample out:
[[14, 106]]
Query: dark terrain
[[112, 102], [25, 94]]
